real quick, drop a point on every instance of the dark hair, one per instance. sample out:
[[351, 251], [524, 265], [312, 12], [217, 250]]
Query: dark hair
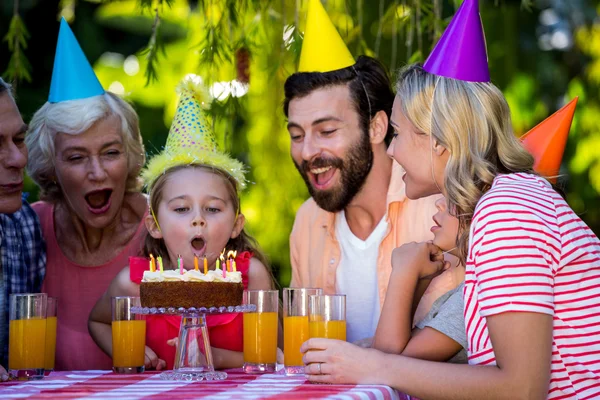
[[366, 77], [243, 242]]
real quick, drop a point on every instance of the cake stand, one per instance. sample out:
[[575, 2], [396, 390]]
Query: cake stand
[[193, 358]]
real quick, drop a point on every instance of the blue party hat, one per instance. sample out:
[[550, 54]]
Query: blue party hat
[[72, 77]]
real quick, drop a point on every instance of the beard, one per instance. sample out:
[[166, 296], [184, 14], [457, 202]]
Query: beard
[[354, 169]]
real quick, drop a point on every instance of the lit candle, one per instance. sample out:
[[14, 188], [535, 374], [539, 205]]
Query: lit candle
[[160, 263], [228, 262], [152, 263], [233, 261], [180, 264], [218, 264], [205, 266], [223, 264], [196, 263]]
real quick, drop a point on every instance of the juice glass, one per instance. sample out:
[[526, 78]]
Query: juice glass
[[327, 316], [295, 326], [50, 335], [128, 336], [260, 331], [27, 335]]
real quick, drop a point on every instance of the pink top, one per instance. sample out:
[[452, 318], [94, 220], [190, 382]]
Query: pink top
[[78, 288]]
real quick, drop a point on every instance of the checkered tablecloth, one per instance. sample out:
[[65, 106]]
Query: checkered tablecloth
[[238, 385]]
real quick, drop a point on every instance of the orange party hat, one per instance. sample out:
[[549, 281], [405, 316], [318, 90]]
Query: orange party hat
[[547, 141]]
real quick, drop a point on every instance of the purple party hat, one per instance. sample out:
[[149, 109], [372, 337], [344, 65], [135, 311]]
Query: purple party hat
[[461, 52]]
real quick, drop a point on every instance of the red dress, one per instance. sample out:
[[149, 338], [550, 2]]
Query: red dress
[[225, 331]]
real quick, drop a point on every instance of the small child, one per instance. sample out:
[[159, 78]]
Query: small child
[[194, 212], [440, 336]]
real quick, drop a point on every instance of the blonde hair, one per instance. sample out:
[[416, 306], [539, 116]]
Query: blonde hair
[[472, 121], [74, 117]]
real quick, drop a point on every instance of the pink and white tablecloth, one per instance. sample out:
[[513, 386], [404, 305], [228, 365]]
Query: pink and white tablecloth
[[238, 385]]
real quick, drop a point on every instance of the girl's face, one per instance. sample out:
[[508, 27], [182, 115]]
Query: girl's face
[[196, 216], [423, 163], [445, 230]]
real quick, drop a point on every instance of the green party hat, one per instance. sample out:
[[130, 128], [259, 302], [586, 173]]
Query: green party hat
[[191, 140]]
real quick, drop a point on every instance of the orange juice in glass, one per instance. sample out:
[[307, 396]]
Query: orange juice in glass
[[50, 335], [327, 316], [295, 327], [128, 336], [27, 335], [260, 331]]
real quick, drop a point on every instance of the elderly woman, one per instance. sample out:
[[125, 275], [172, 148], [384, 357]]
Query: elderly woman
[[86, 155]]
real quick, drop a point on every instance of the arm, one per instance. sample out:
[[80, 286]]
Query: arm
[[522, 342], [295, 257], [100, 319], [413, 267]]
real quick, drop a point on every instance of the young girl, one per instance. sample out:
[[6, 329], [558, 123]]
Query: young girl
[[195, 212], [532, 266], [440, 336]]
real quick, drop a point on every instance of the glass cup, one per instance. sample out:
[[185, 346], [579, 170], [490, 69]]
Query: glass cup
[[128, 336], [50, 335], [260, 331], [295, 327], [327, 316], [27, 335]]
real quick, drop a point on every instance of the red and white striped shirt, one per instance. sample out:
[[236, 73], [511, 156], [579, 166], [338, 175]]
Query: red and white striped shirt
[[528, 251]]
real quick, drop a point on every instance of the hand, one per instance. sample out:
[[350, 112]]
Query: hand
[[279, 356], [425, 259], [3, 374], [365, 343], [152, 361], [336, 361]]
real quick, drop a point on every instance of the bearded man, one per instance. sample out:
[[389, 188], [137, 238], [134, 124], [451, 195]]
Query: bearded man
[[338, 114]]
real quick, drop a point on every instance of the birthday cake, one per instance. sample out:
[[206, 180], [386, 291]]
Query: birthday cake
[[191, 289]]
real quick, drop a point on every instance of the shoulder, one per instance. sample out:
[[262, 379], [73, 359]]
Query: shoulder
[[309, 215], [258, 275], [309, 210], [26, 216], [517, 196], [43, 210]]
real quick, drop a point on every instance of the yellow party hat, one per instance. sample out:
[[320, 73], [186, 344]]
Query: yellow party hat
[[191, 140], [323, 49]]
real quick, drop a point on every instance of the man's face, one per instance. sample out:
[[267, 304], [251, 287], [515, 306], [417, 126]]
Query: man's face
[[331, 152], [13, 155]]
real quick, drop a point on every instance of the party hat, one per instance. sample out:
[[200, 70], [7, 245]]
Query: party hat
[[191, 140], [72, 77], [546, 142], [461, 52], [323, 49]]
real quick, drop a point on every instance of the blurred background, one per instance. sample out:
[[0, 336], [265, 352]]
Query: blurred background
[[542, 53]]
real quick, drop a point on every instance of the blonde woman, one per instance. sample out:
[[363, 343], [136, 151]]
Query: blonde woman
[[532, 283]]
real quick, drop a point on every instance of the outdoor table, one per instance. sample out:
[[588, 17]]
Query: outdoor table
[[238, 385]]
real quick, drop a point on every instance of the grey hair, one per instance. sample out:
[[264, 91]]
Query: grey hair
[[5, 87], [74, 117]]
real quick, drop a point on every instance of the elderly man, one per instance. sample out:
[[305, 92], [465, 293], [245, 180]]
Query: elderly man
[[22, 252]]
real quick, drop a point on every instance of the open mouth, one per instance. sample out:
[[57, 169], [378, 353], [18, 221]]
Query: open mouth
[[199, 245], [98, 201], [323, 176]]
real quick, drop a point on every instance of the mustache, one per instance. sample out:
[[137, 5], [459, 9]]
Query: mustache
[[322, 162]]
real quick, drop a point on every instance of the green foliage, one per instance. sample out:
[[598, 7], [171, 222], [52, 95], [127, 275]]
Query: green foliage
[[18, 65], [218, 39]]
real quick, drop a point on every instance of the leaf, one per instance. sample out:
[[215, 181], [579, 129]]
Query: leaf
[[18, 68]]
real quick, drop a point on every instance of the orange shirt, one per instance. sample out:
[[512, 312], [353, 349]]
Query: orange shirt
[[315, 252]]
